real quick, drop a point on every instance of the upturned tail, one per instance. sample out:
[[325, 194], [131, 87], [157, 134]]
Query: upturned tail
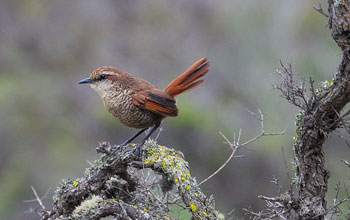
[[190, 79]]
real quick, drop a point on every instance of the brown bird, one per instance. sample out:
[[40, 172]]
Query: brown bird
[[139, 104]]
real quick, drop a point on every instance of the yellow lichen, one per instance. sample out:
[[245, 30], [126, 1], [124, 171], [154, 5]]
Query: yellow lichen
[[194, 207], [76, 183], [172, 163]]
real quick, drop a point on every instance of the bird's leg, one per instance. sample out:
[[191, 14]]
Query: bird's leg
[[129, 140], [138, 149]]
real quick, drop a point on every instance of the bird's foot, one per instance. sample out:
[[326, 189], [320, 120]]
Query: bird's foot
[[138, 152], [117, 148]]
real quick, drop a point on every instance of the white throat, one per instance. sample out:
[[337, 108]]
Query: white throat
[[103, 88]]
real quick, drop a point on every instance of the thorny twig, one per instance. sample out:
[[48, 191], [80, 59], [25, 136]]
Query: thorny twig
[[235, 144]]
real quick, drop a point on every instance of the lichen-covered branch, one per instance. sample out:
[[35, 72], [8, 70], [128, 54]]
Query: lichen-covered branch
[[321, 114], [121, 186], [319, 118]]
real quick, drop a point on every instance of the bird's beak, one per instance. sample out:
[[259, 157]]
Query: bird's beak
[[87, 80]]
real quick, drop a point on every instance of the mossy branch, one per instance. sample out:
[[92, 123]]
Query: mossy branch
[[322, 113], [121, 186]]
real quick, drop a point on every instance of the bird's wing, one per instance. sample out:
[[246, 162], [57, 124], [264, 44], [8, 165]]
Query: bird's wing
[[156, 101]]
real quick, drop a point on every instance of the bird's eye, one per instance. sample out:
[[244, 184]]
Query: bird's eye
[[103, 76]]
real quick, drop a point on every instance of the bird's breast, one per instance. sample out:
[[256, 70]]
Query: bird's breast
[[118, 101], [121, 106]]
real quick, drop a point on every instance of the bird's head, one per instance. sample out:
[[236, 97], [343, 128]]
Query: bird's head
[[102, 79]]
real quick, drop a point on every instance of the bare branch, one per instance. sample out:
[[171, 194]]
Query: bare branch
[[235, 144], [234, 149], [319, 9], [332, 208], [43, 211], [291, 90]]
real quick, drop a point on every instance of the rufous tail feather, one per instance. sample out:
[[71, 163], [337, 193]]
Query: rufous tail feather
[[190, 79]]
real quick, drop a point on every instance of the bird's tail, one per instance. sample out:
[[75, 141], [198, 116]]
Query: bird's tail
[[189, 79]]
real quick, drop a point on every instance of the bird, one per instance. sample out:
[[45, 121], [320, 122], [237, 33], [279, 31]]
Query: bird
[[137, 103]]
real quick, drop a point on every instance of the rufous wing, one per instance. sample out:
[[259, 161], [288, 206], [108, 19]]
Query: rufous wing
[[156, 101]]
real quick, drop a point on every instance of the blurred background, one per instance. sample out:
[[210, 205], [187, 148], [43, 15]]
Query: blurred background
[[50, 125]]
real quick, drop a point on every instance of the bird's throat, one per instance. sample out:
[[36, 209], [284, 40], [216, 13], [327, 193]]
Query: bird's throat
[[104, 88]]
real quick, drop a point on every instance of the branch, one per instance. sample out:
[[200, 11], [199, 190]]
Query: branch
[[125, 188], [294, 92], [235, 144], [320, 116], [42, 211], [320, 10]]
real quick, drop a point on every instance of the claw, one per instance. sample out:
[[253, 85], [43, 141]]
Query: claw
[[117, 149], [138, 152]]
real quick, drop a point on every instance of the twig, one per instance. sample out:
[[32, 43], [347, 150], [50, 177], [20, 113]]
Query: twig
[[235, 144], [292, 91], [331, 208], [340, 119], [38, 199], [319, 9], [234, 149], [346, 162]]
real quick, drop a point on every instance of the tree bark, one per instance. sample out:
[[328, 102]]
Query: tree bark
[[320, 117]]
